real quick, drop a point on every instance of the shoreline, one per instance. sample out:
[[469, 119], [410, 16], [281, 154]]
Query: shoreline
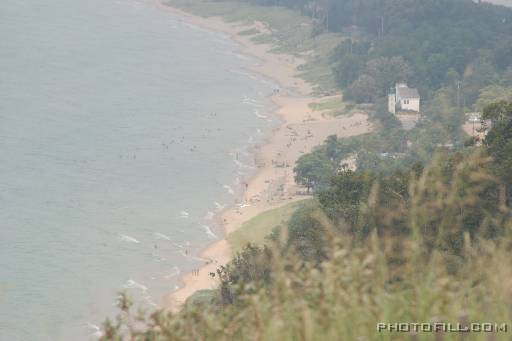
[[300, 129]]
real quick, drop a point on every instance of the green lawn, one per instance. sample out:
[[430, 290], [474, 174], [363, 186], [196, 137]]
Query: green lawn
[[255, 230], [201, 297], [332, 106]]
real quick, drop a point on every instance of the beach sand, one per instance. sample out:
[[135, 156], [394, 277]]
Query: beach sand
[[273, 184]]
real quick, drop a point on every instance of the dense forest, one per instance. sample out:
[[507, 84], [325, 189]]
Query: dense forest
[[456, 52], [430, 44], [423, 236]]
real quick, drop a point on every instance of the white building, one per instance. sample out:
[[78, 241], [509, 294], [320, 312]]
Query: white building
[[404, 99]]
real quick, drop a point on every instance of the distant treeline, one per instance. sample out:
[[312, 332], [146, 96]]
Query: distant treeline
[[457, 52]]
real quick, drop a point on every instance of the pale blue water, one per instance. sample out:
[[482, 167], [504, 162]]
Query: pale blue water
[[119, 129]]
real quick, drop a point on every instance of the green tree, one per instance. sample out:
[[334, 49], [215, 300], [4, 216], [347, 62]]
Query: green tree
[[363, 90], [387, 72], [307, 234], [342, 199], [493, 94], [499, 145], [312, 170], [347, 69]]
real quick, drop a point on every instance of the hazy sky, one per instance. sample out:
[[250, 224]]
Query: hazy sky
[[501, 2]]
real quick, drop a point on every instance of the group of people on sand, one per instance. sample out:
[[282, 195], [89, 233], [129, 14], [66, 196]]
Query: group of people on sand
[[195, 272]]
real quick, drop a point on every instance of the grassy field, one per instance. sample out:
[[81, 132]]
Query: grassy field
[[255, 230], [333, 106], [336, 106]]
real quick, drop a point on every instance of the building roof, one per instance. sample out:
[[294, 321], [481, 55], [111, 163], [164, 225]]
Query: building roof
[[407, 93]]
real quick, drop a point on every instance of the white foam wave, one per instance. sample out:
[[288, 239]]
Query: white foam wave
[[209, 232], [252, 102], [229, 189], [128, 239], [96, 330], [219, 206], [178, 245], [209, 215], [184, 214], [222, 41], [92, 326], [149, 300], [186, 255], [159, 235], [193, 27], [238, 72], [240, 56], [175, 272], [242, 165], [258, 115], [158, 258], [131, 284]]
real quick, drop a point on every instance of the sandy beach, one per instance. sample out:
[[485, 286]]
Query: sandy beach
[[273, 184]]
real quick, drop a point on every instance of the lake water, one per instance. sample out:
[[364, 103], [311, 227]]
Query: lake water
[[122, 131]]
